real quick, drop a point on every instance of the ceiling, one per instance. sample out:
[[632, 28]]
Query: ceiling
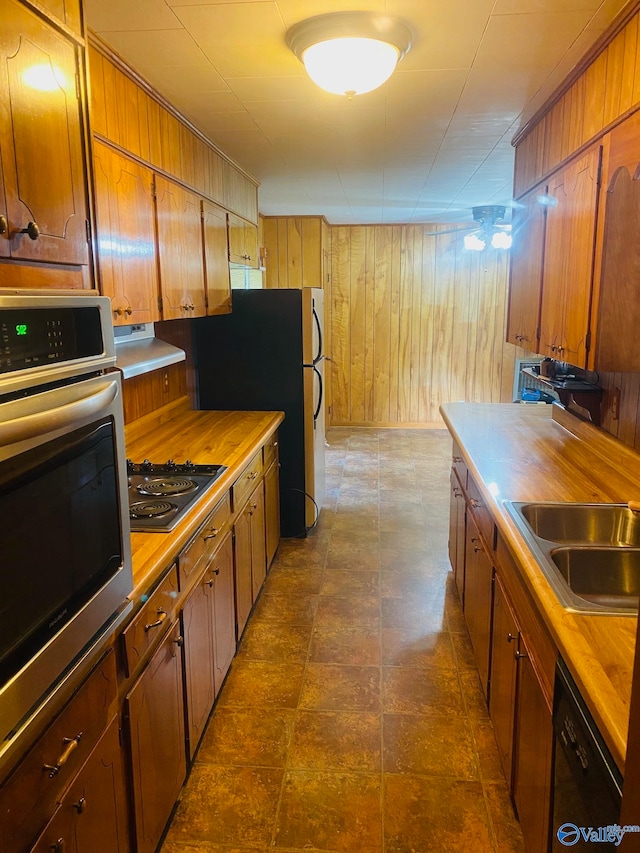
[[425, 147]]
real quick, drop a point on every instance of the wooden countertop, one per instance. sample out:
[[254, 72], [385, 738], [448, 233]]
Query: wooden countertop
[[522, 453], [178, 432]]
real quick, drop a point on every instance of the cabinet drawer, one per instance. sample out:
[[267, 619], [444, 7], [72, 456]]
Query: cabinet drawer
[[459, 465], [481, 514], [150, 622], [205, 542], [245, 483], [29, 796], [270, 451]]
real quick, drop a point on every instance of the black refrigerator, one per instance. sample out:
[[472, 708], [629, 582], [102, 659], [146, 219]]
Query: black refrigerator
[[267, 355]]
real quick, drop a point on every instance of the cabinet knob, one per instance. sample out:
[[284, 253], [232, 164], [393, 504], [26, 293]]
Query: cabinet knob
[[31, 230], [58, 846], [179, 641], [511, 637], [212, 535], [128, 310], [162, 615], [518, 655], [252, 475], [474, 503], [71, 743], [81, 805], [4, 225], [457, 459]]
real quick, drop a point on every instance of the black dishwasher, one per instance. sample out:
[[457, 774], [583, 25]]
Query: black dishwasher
[[587, 785]]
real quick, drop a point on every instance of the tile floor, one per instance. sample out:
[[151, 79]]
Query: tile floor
[[352, 720]]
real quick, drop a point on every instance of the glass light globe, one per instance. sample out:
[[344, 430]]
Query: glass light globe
[[501, 240], [473, 242], [350, 66]]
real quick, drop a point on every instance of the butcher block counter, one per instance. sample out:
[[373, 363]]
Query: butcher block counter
[[178, 432], [544, 453]]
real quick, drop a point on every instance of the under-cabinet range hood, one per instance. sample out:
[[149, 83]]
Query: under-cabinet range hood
[[139, 351]]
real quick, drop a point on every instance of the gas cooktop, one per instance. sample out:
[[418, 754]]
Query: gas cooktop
[[159, 495]]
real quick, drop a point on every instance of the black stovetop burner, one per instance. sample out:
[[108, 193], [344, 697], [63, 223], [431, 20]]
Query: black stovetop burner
[[159, 495]]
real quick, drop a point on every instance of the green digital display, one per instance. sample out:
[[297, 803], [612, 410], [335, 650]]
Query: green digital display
[[21, 329]]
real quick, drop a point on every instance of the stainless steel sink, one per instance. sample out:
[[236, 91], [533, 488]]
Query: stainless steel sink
[[589, 553], [597, 524]]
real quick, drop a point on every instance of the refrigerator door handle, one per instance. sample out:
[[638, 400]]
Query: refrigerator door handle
[[318, 355], [320, 396]]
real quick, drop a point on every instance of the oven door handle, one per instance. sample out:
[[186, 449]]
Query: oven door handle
[[51, 420]]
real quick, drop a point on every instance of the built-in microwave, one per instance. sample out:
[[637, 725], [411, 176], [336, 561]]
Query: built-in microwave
[[65, 568]]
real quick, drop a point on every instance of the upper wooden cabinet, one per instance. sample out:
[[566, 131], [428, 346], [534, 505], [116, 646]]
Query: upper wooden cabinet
[[618, 318], [568, 259], [216, 259], [126, 241], [41, 142], [66, 11], [525, 284], [180, 253], [297, 251], [243, 242]]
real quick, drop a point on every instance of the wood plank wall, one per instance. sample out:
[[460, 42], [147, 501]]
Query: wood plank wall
[[415, 321]]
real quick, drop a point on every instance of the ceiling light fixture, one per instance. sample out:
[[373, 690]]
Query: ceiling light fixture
[[350, 53]]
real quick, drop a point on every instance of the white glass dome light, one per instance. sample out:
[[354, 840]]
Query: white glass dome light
[[350, 53]]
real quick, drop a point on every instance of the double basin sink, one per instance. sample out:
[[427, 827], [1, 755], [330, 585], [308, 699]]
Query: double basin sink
[[589, 553]]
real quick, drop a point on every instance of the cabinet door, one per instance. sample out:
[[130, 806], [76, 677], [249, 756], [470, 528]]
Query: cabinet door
[[197, 626], [568, 260], [41, 141], [532, 768], [180, 251], [126, 236], [242, 569], [93, 813], [67, 11], [224, 619], [237, 252], [457, 513], [258, 540], [525, 282], [155, 713], [504, 646], [216, 256], [272, 510], [251, 245], [477, 599]]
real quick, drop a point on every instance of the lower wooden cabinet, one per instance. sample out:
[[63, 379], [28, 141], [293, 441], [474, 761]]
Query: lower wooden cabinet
[[478, 586], [532, 757], [457, 517], [504, 649], [272, 510], [208, 619], [93, 814], [154, 711], [250, 554]]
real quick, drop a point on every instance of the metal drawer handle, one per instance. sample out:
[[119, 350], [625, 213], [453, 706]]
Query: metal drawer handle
[[71, 744], [474, 503], [162, 615], [253, 475], [213, 534], [4, 225]]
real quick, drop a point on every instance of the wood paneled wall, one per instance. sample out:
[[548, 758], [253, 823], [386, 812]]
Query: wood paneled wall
[[297, 251], [415, 321]]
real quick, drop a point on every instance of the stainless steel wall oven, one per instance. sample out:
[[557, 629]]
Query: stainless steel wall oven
[[65, 561]]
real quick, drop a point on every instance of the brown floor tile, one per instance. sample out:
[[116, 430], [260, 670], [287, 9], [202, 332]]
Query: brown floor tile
[[330, 811], [277, 641], [340, 582], [293, 609], [505, 825], [329, 687], [287, 580], [330, 740], [242, 737], [353, 538], [404, 647], [299, 556], [487, 749], [354, 644], [262, 684], [399, 560], [353, 558], [420, 691], [235, 806], [427, 616], [431, 744], [338, 611], [416, 585], [463, 650], [426, 813], [355, 519], [170, 847], [474, 700]]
